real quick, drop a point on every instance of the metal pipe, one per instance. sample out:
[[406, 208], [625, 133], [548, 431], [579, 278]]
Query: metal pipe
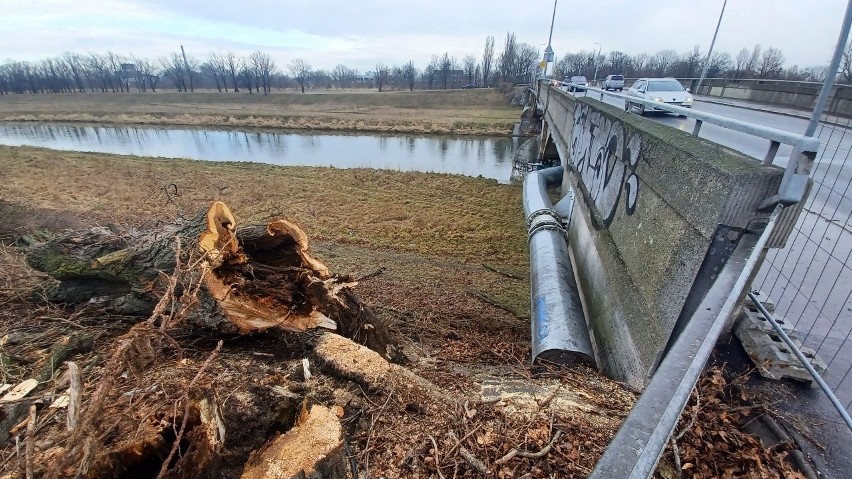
[[807, 364], [832, 73], [707, 60], [639, 443], [558, 325]]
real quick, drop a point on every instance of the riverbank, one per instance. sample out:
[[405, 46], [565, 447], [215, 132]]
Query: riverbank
[[456, 112], [444, 265]]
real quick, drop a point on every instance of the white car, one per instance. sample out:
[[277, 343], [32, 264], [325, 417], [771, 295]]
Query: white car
[[613, 82], [661, 90]]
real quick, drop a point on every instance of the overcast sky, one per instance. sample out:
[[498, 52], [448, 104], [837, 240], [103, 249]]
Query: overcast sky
[[359, 33]]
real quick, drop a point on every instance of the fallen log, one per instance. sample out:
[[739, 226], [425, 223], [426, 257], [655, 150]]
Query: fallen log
[[252, 279]]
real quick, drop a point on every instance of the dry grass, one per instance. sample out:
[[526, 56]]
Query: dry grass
[[433, 214], [475, 112]]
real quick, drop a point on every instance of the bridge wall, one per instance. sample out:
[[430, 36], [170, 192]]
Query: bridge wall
[[655, 201]]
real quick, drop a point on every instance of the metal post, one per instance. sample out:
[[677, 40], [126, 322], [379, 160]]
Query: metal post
[[548, 52], [710, 51], [832, 73]]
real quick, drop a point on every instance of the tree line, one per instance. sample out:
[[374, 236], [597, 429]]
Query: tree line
[[258, 73], [755, 62]]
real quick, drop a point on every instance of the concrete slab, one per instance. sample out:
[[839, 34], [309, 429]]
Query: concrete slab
[[770, 354]]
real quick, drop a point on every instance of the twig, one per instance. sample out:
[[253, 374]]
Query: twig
[[176, 445], [30, 445], [529, 455], [694, 415], [437, 459], [676, 454], [371, 274], [494, 302], [75, 396], [498, 271], [468, 456]]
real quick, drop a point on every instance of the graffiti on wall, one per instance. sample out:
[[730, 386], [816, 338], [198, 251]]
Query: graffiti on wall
[[605, 158]]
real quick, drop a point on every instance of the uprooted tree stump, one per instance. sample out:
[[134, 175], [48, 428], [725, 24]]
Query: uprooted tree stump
[[255, 278]]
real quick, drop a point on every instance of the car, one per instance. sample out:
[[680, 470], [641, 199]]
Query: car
[[661, 90], [469, 86], [577, 83], [613, 82]]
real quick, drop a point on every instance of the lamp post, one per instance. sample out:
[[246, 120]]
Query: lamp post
[[595, 79], [548, 52], [710, 51]]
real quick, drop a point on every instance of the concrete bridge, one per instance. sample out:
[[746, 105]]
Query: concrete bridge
[[665, 234]]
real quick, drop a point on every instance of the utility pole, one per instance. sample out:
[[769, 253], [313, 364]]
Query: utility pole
[[710, 51]]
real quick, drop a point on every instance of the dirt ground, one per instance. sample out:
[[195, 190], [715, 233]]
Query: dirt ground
[[458, 112], [186, 405]]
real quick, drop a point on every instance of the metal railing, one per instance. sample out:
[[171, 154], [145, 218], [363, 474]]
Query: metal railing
[[794, 184]]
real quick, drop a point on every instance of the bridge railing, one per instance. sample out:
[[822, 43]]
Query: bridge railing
[[798, 168]]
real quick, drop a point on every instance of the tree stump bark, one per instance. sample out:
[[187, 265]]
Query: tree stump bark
[[256, 278]]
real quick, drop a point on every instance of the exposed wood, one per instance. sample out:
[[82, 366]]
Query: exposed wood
[[75, 396], [255, 278], [19, 391], [30, 442], [64, 348], [313, 449]]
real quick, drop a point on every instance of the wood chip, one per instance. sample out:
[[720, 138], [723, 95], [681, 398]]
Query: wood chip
[[60, 402], [19, 391]]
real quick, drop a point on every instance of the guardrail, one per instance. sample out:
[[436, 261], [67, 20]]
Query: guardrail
[[794, 183]]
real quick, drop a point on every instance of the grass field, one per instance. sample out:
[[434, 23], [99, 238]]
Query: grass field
[[467, 112]]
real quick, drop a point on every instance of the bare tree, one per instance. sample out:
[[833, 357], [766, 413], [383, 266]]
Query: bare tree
[[469, 64], [264, 67], [340, 75], [507, 58], [487, 60], [234, 65], [663, 61], [753, 61], [771, 64], [741, 64], [148, 72], [300, 70], [409, 72], [846, 65], [381, 75], [446, 66]]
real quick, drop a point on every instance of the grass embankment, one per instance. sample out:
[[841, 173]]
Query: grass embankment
[[417, 220], [461, 112]]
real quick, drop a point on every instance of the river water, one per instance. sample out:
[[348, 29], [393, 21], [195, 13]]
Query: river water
[[487, 157]]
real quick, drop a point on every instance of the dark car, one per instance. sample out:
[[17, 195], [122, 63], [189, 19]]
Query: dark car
[[469, 86]]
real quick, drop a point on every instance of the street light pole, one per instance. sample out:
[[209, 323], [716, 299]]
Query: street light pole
[[710, 51], [597, 59], [548, 52]]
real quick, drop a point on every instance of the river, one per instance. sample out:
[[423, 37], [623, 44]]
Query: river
[[487, 157]]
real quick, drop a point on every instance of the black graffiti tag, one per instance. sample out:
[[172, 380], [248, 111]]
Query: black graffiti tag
[[605, 162]]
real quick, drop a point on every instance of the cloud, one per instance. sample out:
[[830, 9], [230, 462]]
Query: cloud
[[360, 34]]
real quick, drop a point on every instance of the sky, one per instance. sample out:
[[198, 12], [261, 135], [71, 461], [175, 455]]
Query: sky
[[360, 33]]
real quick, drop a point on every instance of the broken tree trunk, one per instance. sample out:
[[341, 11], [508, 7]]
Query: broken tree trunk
[[252, 279]]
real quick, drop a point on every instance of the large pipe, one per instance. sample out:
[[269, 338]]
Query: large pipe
[[559, 331]]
